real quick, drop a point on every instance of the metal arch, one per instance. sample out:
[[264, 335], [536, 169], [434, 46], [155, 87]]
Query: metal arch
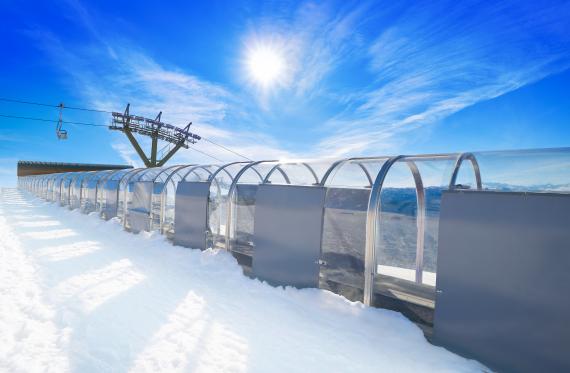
[[101, 182], [71, 177], [371, 219], [61, 181], [106, 174], [89, 175], [224, 168], [471, 157], [333, 168], [312, 172], [231, 192], [170, 176], [374, 211], [365, 170], [212, 180], [336, 166], [281, 171], [192, 169], [72, 186], [257, 172], [284, 174], [147, 170], [278, 167], [203, 167], [420, 219], [177, 167], [53, 187]]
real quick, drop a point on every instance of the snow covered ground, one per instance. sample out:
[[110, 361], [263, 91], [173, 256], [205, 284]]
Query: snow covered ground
[[79, 294]]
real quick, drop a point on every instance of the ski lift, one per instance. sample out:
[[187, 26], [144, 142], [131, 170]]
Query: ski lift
[[61, 133]]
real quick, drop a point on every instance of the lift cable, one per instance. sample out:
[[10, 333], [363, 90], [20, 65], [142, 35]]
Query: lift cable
[[89, 124], [53, 120], [227, 149], [54, 106], [26, 102], [211, 156]]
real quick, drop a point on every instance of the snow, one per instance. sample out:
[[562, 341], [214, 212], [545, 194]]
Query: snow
[[80, 294], [428, 278]]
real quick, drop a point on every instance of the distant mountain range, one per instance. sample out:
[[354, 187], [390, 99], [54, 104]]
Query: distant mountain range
[[403, 200]]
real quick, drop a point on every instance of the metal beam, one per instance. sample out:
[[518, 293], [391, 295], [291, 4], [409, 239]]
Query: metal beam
[[156, 130], [137, 147]]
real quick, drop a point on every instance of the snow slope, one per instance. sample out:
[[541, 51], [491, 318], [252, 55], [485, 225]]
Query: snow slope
[[79, 294]]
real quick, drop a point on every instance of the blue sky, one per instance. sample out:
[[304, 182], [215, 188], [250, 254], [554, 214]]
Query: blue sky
[[358, 78]]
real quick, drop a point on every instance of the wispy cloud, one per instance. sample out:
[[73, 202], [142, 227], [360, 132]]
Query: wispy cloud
[[128, 155], [128, 75], [415, 63], [431, 62]]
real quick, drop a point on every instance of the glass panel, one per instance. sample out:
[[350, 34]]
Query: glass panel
[[397, 225], [218, 203], [435, 175], [344, 226], [539, 170]]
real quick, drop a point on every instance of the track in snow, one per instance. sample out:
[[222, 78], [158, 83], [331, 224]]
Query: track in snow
[[79, 294]]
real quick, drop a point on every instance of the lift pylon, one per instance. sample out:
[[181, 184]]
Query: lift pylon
[[156, 130]]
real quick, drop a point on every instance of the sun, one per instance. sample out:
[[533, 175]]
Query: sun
[[266, 65]]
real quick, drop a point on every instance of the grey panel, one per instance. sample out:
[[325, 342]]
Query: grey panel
[[288, 228], [139, 221], [190, 214], [504, 279]]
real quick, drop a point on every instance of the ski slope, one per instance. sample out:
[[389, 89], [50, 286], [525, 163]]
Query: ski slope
[[80, 294]]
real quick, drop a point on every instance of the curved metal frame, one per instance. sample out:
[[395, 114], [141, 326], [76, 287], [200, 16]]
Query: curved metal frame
[[374, 211], [99, 185], [203, 167], [71, 177], [232, 190], [175, 169], [336, 166], [62, 177], [281, 171], [284, 174], [476, 170], [84, 186], [72, 186], [192, 169], [224, 168]]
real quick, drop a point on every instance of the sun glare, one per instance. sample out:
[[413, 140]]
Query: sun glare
[[265, 65]]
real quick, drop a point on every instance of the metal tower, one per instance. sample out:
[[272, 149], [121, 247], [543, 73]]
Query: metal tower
[[155, 129]]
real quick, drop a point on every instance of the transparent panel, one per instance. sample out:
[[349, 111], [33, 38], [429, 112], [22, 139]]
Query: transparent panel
[[435, 175], [123, 192], [243, 209], [218, 203], [537, 170], [56, 187], [397, 224], [77, 190], [296, 173], [88, 191], [158, 202], [344, 226], [66, 188]]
